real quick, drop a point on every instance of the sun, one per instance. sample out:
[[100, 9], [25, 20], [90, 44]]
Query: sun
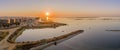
[[47, 13]]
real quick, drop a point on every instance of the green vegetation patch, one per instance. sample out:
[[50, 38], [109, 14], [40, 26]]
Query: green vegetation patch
[[3, 34], [15, 35]]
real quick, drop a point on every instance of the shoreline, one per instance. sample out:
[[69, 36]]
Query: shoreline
[[43, 25], [41, 47], [18, 32], [29, 45], [113, 30]]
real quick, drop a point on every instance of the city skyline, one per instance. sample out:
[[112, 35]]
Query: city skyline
[[60, 7]]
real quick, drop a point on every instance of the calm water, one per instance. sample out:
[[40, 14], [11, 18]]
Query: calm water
[[92, 38]]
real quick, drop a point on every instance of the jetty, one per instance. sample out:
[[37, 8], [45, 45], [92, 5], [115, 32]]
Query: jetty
[[30, 44]]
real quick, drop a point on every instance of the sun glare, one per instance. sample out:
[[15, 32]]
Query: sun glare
[[47, 14]]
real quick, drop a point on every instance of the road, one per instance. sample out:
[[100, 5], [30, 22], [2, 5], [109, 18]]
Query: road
[[4, 45]]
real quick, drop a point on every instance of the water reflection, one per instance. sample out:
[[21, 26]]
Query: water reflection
[[94, 37]]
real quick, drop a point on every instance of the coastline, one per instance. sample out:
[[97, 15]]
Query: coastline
[[11, 39], [41, 47], [38, 26], [29, 45], [45, 25], [45, 42]]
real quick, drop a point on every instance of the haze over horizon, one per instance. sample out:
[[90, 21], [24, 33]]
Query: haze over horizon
[[60, 7]]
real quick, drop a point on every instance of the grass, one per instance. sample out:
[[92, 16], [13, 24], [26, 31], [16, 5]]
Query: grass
[[15, 35], [3, 35]]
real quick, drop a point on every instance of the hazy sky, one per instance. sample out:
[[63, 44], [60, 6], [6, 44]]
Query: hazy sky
[[60, 7]]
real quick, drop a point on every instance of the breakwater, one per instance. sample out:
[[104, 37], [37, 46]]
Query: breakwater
[[18, 32], [30, 44]]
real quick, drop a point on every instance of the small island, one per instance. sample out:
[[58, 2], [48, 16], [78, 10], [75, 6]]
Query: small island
[[114, 30]]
